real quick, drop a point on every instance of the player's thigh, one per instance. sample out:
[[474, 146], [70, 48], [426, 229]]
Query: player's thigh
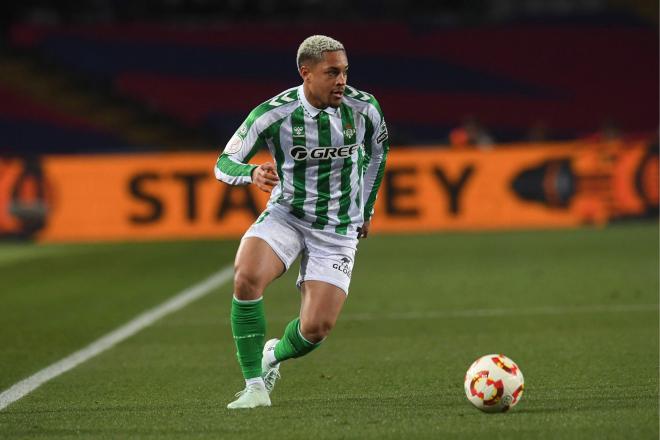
[[267, 250], [321, 304], [257, 261]]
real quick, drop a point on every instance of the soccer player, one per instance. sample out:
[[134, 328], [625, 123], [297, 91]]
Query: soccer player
[[330, 143]]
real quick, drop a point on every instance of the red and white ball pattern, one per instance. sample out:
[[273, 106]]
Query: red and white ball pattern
[[494, 383]]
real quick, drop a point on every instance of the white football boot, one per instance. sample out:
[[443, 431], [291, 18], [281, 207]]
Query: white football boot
[[270, 371], [252, 396]]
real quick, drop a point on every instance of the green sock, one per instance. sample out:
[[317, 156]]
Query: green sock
[[248, 324], [293, 344]]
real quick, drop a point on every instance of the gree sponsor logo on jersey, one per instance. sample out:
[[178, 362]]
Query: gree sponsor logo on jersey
[[302, 153]]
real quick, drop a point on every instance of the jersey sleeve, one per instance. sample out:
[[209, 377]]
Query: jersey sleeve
[[232, 166], [377, 145]]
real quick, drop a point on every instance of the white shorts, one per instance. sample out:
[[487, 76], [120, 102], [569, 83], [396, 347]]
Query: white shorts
[[326, 256]]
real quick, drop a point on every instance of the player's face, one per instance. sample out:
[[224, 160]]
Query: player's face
[[325, 81]]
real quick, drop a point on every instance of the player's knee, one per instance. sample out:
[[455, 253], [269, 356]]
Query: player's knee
[[316, 331], [246, 285]]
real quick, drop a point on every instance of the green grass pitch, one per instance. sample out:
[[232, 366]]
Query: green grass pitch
[[577, 310]]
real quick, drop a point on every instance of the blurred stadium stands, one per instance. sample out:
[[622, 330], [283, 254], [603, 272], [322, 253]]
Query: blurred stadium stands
[[183, 75], [37, 127], [564, 92]]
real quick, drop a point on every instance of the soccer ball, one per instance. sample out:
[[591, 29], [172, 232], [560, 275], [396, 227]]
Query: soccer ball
[[494, 383]]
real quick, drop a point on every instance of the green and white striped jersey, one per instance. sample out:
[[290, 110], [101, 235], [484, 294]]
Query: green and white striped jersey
[[330, 162]]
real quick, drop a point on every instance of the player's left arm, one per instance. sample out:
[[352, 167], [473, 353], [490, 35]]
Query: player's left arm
[[377, 145]]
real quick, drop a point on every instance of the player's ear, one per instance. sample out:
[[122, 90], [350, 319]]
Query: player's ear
[[304, 71]]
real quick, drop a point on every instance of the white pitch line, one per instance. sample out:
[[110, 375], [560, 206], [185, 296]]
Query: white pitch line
[[177, 302]]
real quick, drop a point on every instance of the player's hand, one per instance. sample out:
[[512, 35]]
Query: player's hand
[[265, 177], [363, 232]]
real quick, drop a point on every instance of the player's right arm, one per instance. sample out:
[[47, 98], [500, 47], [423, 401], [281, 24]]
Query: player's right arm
[[232, 166]]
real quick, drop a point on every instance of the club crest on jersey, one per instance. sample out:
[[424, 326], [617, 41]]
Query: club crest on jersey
[[298, 131], [349, 133], [342, 152]]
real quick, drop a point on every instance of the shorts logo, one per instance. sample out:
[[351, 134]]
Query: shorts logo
[[345, 266], [302, 153]]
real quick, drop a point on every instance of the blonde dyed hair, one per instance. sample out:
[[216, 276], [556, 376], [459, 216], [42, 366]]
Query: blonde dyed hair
[[312, 48]]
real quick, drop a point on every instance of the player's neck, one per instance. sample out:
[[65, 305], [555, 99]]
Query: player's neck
[[311, 100]]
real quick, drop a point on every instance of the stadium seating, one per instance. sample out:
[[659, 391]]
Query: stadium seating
[[27, 126], [427, 79]]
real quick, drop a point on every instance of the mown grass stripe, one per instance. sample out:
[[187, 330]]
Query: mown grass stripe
[[177, 302]]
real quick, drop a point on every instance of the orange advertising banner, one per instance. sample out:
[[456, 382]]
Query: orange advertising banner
[[175, 195]]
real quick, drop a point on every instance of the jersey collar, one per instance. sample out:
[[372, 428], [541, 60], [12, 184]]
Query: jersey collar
[[313, 111]]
